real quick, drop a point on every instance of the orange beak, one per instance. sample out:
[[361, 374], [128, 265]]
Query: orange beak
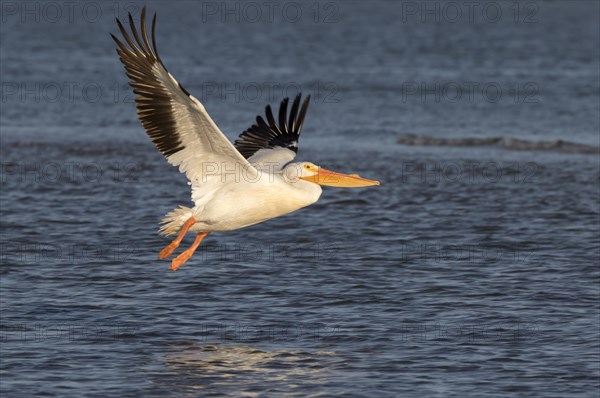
[[333, 179]]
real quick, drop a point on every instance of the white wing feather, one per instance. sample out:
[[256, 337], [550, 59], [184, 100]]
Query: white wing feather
[[176, 121]]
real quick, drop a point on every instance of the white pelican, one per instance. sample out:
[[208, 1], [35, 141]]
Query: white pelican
[[233, 186]]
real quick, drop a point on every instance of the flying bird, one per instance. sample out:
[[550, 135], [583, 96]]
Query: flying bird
[[233, 185]]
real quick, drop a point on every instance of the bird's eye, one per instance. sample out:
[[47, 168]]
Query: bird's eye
[[307, 167]]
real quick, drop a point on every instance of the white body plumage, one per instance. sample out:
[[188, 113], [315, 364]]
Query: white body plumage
[[239, 201]]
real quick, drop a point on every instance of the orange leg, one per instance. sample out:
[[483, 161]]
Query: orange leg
[[167, 251], [186, 255]]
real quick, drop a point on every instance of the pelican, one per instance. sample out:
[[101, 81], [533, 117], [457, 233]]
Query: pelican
[[233, 185]]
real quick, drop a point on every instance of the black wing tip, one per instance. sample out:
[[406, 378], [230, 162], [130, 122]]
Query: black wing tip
[[269, 134], [298, 98], [306, 99], [139, 57], [133, 29]]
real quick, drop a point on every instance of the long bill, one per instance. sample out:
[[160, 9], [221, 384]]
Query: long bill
[[334, 179]]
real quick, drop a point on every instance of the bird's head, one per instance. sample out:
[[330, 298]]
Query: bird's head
[[310, 172]]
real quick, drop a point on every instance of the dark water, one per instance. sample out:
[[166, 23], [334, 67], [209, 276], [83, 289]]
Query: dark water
[[470, 271]]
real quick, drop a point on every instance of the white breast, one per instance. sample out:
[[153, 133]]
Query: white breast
[[238, 205]]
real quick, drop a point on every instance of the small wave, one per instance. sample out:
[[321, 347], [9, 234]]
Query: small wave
[[510, 143]]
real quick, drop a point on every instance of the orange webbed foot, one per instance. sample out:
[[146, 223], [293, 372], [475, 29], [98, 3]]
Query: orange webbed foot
[[167, 251], [187, 254]]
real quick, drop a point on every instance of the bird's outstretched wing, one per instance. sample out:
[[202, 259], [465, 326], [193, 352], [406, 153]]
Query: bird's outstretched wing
[[272, 142], [176, 121]]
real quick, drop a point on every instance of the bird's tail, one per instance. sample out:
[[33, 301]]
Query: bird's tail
[[174, 220]]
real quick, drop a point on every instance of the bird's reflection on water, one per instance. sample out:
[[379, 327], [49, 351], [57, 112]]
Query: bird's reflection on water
[[236, 369]]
